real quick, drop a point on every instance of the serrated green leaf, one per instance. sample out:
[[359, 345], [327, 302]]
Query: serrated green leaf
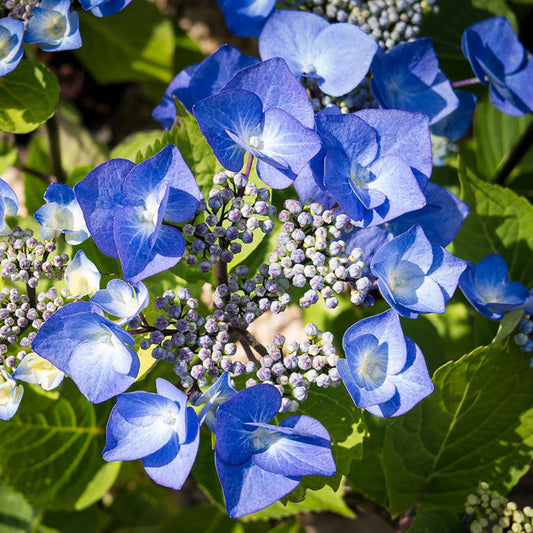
[[131, 145], [436, 521], [136, 44], [52, 449], [28, 97], [477, 425], [499, 222]]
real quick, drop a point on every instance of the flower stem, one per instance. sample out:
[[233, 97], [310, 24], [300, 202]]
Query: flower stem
[[55, 149], [464, 83], [249, 163], [247, 339]]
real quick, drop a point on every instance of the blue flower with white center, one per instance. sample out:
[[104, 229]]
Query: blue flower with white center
[[36, 370], [216, 395], [9, 206], [82, 276], [122, 300], [408, 77], [61, 214], [259, 463], [384, 371], [488, 288], [264, 111], [337, 56], [54, 27], [11, 32], [10, 396], [94, 352], [414, 275], [104, 8], [500, 60], [157, 428], [131, 210], [246, 17], [197, 82]]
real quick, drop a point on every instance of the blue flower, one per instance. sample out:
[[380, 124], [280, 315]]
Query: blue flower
[[122, 300], [414, 275], [82, 276], [408, 77], [11, 32], [54, 27], [384, 372], [499, 59], [9, 206], [456, 124], [159, 429], [258, 463], [61, 214], [10, 396], [38, 371], [104, 8], [197, 82], [264, 111], [246, 17], [93, 351], [127, 207], [337, 56], [488, 288], [216, 395]]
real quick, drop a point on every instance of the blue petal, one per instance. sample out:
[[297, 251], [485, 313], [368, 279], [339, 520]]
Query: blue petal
[[456, 124], [246, 17]]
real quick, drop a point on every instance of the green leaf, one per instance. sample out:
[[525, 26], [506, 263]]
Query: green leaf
[[136, 44], [28, 97], [499, 222], [508, 324], [289, 526], [8, 156], [496, 134], [446, 27], [477, 425], [128, 147], [436, 521], [52, 449], [16, 514]]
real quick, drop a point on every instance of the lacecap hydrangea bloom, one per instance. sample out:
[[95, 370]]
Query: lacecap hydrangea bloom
[[384, 371]]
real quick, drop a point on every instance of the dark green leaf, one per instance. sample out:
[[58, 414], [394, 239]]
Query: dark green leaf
[[436, 521]]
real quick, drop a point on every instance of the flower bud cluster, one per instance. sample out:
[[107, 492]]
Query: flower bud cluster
[[235, 209], [20, 319], [19, 9], [24, 258], [524, 337], [311, 254], [492, 513], [292, 367]]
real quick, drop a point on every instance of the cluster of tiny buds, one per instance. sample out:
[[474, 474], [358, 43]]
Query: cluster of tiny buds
[[20, 318], [19, 9], [312, 253], [492, 513], [24, 258], [234, 209], [292, 367], [524, 337]]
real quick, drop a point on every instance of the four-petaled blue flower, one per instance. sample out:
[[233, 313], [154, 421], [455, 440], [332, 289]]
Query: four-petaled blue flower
[[337, 56], [94, 352], [488, 288], [414, 275], [157, 428], [54, 27], [126, 206], [258, 463], [500, 60], [11, 32], [384, 371]]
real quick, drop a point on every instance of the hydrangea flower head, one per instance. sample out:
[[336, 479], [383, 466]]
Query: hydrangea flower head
[[414, 275], [408, 77], [82, 276], [246, 17], [9, 205], [384, 371], [157, 428], [488, 288], [54, 27], [500, 60], [11, 32], [337, 56], [93, 351], [258, 463], [61, 214], [10, 396], [126, 206], [104, 8], [38, 371]]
